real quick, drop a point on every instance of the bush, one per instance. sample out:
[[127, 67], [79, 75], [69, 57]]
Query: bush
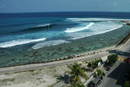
[[99, 72], [126, 84], [112, 59], [94, 64]]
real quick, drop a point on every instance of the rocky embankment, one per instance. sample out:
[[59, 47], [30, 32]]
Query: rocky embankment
[[126, 22]]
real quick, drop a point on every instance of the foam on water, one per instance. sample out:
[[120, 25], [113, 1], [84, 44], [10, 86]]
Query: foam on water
[[49, 43], [97, 28], [19, 42], [70, 30], [92, 19]]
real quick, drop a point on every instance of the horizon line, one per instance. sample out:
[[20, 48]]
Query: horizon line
[[62, 12]]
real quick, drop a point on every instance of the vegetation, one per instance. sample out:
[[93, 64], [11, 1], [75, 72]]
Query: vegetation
[[76, 72], [112, 59], [126, 84], [5, 81], [99, 72], [94, 64], [90, 69]]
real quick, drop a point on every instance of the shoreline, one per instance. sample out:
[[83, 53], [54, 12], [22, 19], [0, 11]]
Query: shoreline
[[46, 76], [25, 55], [76, 58], [68, 59]]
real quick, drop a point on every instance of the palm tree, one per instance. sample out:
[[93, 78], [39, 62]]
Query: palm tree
[[76, 72]]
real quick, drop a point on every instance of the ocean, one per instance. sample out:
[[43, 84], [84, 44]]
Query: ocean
[[38, 37]]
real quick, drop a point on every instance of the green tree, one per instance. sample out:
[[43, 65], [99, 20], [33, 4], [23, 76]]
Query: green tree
[[94, 64], [112, 58], [76, 72], [99, 72], [126, 84]]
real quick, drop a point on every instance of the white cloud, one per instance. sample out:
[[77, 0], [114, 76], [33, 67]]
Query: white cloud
[[2, 6]]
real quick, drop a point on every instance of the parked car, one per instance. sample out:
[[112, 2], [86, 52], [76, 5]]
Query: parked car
[[108, 68], [127, 60], [96, 82], [121, 53]]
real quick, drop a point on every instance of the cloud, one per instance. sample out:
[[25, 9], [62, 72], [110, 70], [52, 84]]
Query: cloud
[[2, 6]]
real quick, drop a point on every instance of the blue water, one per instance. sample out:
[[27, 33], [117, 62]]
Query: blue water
[[25, 28], [56, 35], [16, 31]]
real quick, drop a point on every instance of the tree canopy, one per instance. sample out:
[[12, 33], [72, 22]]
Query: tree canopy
[[76, 72]]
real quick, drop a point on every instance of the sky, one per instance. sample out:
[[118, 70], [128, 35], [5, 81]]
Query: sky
[[20, 6]]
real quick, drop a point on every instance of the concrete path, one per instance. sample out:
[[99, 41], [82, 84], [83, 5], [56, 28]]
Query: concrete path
[[43, 65]]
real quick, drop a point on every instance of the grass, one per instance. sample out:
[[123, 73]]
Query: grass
[[4, 81], [55, 75]]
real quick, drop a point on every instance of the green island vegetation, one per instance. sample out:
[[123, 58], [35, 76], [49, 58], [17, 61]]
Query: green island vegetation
[[112, 59], [94, 64], [126, 84], [99, 72], [76, 71]]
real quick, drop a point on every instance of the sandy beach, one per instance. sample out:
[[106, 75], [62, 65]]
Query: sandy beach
[[33, 78], [45, 76]]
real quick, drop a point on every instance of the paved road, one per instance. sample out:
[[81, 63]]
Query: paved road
[[115, 77], [39, 66]]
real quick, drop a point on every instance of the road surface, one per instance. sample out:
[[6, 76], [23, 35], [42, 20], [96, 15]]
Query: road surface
[[116, 76], [43, 65]]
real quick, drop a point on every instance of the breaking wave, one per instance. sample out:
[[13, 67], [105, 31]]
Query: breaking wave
[[97, 28], [38, 27], [49, 43], [19, 42], [92, 19], [70, 30]]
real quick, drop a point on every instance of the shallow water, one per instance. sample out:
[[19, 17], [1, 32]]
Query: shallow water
[[20, 55]]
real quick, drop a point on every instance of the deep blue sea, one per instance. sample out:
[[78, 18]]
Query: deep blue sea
[[18, 29], [38, 30]]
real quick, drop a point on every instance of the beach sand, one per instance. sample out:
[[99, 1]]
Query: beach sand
[[46, 77], [33, 78]]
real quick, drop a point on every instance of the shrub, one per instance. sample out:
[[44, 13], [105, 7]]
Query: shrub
[[94, 64], [126, 84], [112, 59], [99, 72]]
